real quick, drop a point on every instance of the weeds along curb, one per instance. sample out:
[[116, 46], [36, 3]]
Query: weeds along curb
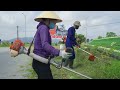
[[106, 51]]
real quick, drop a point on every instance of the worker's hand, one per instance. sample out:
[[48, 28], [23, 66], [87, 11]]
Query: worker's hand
[[13, 53], [77, 46], [65, 54]]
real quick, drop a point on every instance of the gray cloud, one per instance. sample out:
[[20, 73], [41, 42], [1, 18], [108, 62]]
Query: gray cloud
[[10, 19]]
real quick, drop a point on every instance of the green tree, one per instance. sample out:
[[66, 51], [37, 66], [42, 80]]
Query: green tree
[[99, 37], [110, 34], [80, 38]]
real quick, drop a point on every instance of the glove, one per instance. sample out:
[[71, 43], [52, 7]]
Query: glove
[[13, 53], [65, 54]]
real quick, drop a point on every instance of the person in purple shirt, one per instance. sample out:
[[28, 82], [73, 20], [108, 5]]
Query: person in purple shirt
[[42, 44], [71, 42]]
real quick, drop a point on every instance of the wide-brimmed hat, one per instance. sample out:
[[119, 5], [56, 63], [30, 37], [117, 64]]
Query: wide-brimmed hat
[[77, 23], [48, 15]]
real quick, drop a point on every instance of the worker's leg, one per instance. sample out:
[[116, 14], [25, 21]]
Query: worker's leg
[[71, 64], [71, 59], [42, 70], [66, 62]]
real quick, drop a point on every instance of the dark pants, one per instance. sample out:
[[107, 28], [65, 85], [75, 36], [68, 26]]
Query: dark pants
[[73, 53], [42, 70], [70, 61]]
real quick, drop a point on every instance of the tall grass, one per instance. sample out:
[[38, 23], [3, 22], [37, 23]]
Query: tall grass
[[103, 68], [113, 43], [5, 44]]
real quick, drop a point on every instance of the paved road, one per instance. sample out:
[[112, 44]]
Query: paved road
[[10, 68]]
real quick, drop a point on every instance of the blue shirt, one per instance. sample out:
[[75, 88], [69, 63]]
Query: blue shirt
[[71, 40]]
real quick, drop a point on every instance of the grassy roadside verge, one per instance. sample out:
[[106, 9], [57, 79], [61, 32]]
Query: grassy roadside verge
[[105, 68]]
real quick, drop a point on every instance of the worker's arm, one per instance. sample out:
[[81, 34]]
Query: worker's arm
[[71, 35], [44, 33]]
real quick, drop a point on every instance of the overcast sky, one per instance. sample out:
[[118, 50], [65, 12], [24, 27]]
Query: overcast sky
[[9, 20]]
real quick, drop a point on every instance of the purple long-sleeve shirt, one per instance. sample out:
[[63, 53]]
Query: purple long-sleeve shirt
[[42, 42]]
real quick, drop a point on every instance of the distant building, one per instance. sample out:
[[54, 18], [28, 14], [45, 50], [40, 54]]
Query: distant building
[[57, 33]]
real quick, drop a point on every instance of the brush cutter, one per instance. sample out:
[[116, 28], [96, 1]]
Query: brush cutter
[[91, 56], [18, 48]]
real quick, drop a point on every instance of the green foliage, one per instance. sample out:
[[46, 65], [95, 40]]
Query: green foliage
[[99, 37], [29, 73], [27, 44], [103, 68], [80, 38], [5, 44], [110, 34], [113, 71], [107, 42], [54, 44]]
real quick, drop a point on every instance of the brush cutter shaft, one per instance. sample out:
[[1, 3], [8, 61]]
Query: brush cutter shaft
[[76, 72], [38, 58], [88, 53], [43, 60], [55, 64], [23, 50], [85, 51]]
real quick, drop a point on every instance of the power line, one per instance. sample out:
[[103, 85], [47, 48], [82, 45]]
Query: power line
[[104, 24], [17, 33], [87, 26]]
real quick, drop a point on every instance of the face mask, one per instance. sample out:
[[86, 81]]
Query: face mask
[[76, 27], [52, 25]]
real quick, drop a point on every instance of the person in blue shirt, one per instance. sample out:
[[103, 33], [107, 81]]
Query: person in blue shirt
[[71, 42]]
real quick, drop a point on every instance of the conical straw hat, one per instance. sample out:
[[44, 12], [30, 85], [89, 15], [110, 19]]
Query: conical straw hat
[[48, 15]]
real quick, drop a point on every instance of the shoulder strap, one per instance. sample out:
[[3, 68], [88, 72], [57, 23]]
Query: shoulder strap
[[29, 49]]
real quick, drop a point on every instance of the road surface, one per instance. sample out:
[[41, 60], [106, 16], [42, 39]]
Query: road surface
[[10, 68]]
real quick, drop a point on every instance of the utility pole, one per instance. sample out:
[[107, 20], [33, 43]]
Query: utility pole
[[86, 34], [17, 33], [25, 26], [86, 28]]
